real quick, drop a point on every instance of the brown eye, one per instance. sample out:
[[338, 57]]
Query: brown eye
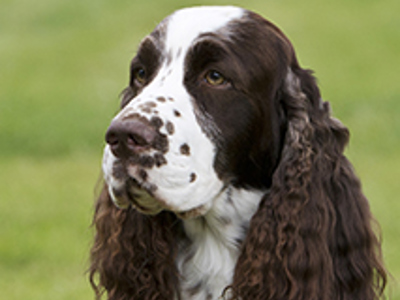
[[215, 78], [140, 75]]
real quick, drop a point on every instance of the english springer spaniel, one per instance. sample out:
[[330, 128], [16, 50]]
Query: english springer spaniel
[[228, 175]]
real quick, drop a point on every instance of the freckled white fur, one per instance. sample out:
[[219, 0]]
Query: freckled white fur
[[173, 179], [210, 257]]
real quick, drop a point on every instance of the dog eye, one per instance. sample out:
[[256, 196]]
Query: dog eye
[[140, 75], [215, 78]]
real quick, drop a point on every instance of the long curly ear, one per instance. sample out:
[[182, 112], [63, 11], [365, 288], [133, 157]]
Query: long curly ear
[[312, 236], [133, 255]]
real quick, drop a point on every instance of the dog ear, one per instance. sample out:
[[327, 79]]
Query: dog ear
[[133, 254], [312, 236]]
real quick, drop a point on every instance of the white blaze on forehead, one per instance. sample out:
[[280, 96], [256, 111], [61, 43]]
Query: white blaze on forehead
[[187, 24]]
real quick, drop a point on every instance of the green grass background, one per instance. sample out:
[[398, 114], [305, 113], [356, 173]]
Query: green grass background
[[63, 64]]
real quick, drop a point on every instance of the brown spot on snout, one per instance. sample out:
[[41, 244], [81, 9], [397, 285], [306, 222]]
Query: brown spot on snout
[[161, 99], [160, 159], [143, 175], [185, 149], [146, 161], [170, 128], [193, 177], [151, 104], [156, 122], [147, 107], [146, 110], [161, 143]]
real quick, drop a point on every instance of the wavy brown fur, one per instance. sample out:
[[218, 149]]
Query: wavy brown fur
[[311, 238], [133, 254]]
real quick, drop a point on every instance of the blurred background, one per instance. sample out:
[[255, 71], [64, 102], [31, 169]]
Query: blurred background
[[62, 66]]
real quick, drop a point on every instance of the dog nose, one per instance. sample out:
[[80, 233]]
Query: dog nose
[[129, 136]]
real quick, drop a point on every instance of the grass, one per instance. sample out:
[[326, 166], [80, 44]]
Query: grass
[[45, 212], [62, 66]]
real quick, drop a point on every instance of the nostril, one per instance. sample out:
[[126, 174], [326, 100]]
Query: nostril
[[136, 140], [112, 138]]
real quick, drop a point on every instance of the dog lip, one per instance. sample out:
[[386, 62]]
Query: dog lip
[[132, 182]]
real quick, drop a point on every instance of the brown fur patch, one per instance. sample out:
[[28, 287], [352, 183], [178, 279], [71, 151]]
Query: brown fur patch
[[161, 143], [193, 177], [143, 174], [156, 122], [170, 128], [161, 99], [185, 149], [146, 161], [160, 159]]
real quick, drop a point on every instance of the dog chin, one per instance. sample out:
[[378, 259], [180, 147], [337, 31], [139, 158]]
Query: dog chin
[[133, 195]]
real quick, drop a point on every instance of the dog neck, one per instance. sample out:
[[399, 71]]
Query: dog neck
[[207, 258]]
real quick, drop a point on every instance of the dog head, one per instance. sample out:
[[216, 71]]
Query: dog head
[[202, 111]]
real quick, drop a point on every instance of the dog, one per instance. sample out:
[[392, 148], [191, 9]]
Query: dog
[[225, 174]]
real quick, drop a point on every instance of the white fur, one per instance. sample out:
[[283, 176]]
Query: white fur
[[187, 24], [214, 249]]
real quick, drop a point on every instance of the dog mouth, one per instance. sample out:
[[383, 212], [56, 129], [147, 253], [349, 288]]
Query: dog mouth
[[141, 197], [133, 186]]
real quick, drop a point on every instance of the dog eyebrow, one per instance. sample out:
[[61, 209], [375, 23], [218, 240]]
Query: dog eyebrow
[[146, 47]]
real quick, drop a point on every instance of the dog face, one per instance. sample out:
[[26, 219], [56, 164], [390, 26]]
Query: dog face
[[201, 112]]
